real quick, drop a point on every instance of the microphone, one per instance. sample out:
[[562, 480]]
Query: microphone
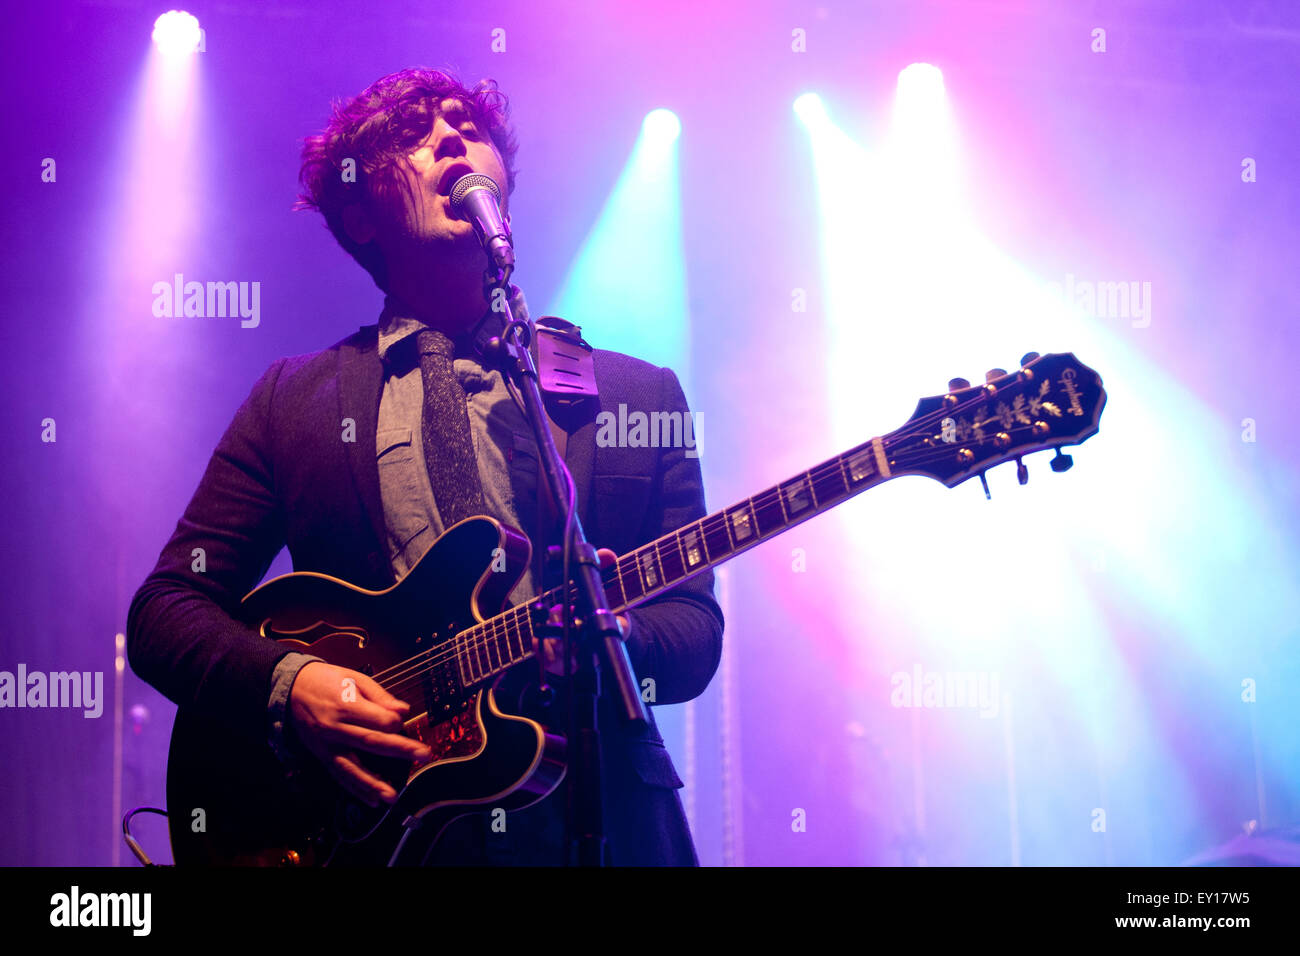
[[476, 199]]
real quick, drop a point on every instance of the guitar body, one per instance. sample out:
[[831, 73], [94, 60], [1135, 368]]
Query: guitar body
[[231, 800]]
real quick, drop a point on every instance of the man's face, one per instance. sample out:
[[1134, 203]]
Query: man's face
[[422, 212]]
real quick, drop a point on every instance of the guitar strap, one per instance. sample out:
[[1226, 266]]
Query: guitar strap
[[567, 379]]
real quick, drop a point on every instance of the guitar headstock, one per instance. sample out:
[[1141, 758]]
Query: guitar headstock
[[1050, 401]]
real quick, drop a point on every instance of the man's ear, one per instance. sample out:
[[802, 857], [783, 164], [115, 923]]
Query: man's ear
[[358, 224]]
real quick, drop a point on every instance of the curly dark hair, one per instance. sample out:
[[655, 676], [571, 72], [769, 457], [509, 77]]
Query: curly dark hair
[[376, 130]]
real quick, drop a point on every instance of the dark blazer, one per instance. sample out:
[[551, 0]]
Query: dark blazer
[[282, 474]]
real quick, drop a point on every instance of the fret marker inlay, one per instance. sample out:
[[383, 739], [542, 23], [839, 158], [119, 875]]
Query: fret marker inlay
[[648, 570], [860, 466], [796, 499], [691, 540]]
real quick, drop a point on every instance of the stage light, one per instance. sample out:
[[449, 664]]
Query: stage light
[[662, 124], [176, 33], [810, 109], [627, 284], [921, 78]]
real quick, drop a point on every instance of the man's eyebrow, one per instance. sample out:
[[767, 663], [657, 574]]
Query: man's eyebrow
[[453, 107]]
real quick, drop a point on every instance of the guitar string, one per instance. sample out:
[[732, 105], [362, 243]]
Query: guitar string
[[709, 525], [477, 639], [499, 626], [476, 644]]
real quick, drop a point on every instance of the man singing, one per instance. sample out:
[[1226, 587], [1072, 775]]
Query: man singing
[[438, 437]]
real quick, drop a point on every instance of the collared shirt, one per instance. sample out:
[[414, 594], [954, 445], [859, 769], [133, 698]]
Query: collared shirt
[[504, 448]]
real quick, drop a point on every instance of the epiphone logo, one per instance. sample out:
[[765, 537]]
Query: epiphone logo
[[1067, 385]]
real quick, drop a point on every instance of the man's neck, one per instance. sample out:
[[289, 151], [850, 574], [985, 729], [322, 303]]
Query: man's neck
[[448, 299]]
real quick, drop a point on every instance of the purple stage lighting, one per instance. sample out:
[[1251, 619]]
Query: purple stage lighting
[[177, 33]]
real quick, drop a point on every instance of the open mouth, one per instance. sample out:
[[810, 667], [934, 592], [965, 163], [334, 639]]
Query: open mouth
[[451, 174]]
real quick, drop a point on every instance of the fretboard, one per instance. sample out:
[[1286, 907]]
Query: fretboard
[[488, 649]]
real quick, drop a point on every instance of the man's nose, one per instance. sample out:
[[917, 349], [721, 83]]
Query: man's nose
[[447, 140]]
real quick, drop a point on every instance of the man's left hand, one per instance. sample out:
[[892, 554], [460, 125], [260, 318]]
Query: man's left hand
[[552, 645]]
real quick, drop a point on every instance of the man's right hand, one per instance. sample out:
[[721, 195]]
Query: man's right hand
[[335, 712]]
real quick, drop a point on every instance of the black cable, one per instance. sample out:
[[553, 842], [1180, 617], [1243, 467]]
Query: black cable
[[131, 843]]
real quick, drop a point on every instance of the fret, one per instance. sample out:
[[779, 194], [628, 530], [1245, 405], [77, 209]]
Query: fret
[[844, 472], [717, 539], [521, 621], [673, 566], [481, 654], [741, 525], [513, 631], [769, 515], [507, 642], [505, 652], [501, 642], [632, 587], [462, 654], [524, 628], [613, 581], [797, 496], [832, 482], [861, 465], [490, 647], [467, 661], [504, 655], [692, 543], [648, 567], [780, 500]]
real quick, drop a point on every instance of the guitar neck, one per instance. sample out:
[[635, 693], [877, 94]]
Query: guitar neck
[[666, 562], [1052, 400], [491, 648]]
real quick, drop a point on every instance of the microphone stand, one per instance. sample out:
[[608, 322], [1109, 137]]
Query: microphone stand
[[601, 648]]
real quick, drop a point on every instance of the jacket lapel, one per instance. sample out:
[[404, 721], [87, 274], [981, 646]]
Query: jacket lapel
[[580, 456], [360, 386]]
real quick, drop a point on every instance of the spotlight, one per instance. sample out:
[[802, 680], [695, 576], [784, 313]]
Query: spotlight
[[662, 124], [920, 79], [176, 33], [809, 109]]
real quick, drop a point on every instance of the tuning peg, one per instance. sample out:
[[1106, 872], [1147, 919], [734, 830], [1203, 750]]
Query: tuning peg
[[1027, 358], [994, 373], [1022, 471], [1061, 462], [985, 482], [957, 383]]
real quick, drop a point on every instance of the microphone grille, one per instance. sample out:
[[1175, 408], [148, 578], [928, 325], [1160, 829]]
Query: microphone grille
[[470, 181]]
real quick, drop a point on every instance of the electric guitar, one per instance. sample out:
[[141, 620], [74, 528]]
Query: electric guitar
[[439, 639]]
